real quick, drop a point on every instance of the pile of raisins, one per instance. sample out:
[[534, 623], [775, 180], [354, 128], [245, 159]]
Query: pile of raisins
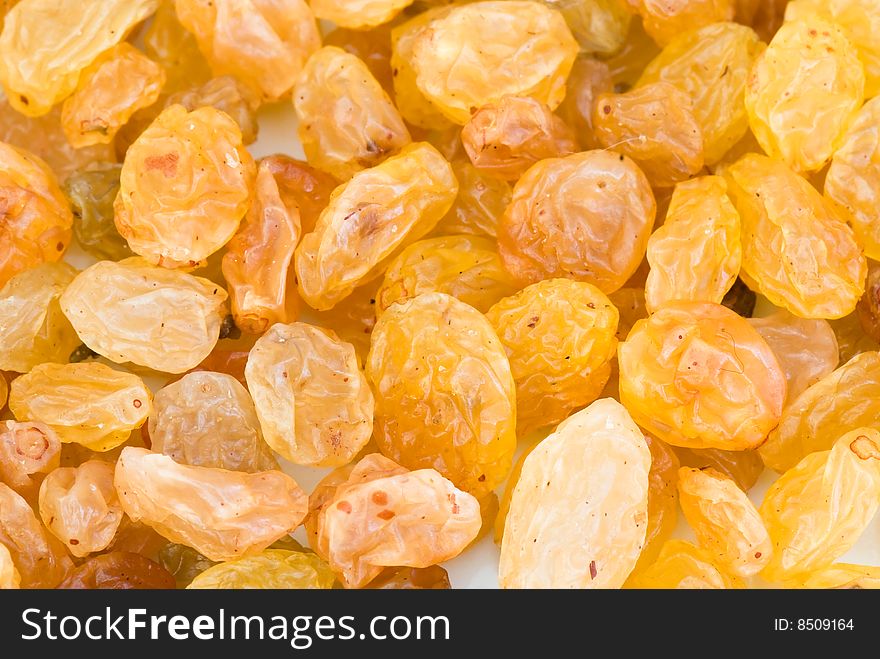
[[612, 259]]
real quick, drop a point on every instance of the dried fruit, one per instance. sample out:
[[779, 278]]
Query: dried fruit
[[589, 78], [806, 349], [662, 501], [313, 401], [411, 578], [80, 506], [373, 47], [726, 523], [559, 336], [119, 570], [38, 556], [258, 264], [682, 565], [744, 467], [803, 93], [369, 220], [111, 89], [208, 419], [466, 267], [170, 44], [185, 185], [666, 19], [444, 393], [853, 180], [265, 42], [41, 60], [347, 122], [131, 311], [653, 124], [184, 563], [272, 568], [627, 65], [579, 510], [303, 185], [35, 219], [696, 255], [91, 193], [841, 575], [358, 14], [696, 374], [353, 321], [797, 249], [859, 19], [586, 217], [108, 405], [33, 329], [228, 95], [506, 137], [222, 514], [711, 65], [531, 55], [383, 515], [9, 577], [27, 448], [599, 26], [817, 510], [839, 402], [480, 202]]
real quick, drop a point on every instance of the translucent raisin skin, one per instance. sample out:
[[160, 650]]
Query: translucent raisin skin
[[378, 514], [115, 86], [662, 501], [559, 336], [272, 568], [444, 392], [579, 509], [586, 217], [655, 126], [33, 330], [531, 55], [184, 563], [806, 349], [744, 467], [589, 78], [726, 523], [373, 47], [92, 193], [313, 401], [103, 305], [696, 255], [666, 19], [222, 514], [859, 19], [37, 555], [353, 321], [853, 180], [599, 26], [265, 42], [303, 185], [208, 420], [185, 185], [226, 94], [840, 576], [358, 14], [258, 263], [80, 506], [698, 375], [35, 218], [479, 205], [507, 137], [41, 60], [466, 267], [803, 92], [10, 579], [838, 403], [627, 65], [369, 220], [817, 510], [169, 43], [109, 404], [27, 450], [682, 565], [797, 249], [119, 571], [411, 578], [347, 122], [711, 65]]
